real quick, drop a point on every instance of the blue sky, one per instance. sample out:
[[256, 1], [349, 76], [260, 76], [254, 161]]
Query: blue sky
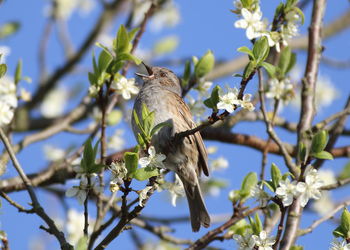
[[205, 24]]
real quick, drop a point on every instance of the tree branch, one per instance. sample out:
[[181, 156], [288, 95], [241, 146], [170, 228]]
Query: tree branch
[[35, 203]]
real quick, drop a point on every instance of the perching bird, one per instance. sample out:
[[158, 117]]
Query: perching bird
[[187, 157]]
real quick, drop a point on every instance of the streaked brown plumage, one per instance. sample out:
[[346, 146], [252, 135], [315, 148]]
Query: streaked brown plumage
[[161, 92]]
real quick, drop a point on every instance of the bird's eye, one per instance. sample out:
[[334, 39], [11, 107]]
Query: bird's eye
[[162, 74]]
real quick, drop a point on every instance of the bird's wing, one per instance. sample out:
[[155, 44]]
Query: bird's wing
[[185, 112]]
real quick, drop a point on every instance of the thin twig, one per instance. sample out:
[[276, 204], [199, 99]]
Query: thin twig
[[271, 132], [211, 235], [307, 111], [36, 205], [328, 216], [124, 221], [15, 204]]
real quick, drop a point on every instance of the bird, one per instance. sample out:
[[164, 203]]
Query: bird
[[187, 157]]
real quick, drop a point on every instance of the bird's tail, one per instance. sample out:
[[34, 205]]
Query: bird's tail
[[198, 212]]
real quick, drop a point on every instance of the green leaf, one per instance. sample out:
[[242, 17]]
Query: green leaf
[[246, 50], [3, 69], [92, 78], [128, 57], [302, 152], [338, 232], [345, 173], [131, 162], [256, 224], [300, 13], [205, 64], [142, 174], [275, 175], [95, 168], [297, 247], [94, 64], [132, 33], [104, 60], [270, 69], [240, 227], [249, 69], [261, 50], [269, 185], [292, 61], [248, 183], [208, 103], [122, 44], [166, 45], [18, 72], [114, 117], [141, 141], [159, 126], [215, 98], [95, 150], [319, 141], [148, 124], [187, 74], [145, 111], [345, 222], [105, 48], [88, 154], [285, 175], [285, 60], [278, 10], [323, 155], [9, 29], [82, 243]]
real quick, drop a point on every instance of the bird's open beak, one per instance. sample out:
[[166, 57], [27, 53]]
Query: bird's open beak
[[149, 71]]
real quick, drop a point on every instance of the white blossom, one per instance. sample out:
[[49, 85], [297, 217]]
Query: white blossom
[[260, 195], [153, 159], [245, 242], [54, 103], [238, 4], [25, 95], [143, 195], [263, 242], [175, 189], [4, 52], [119, 172], [280, 89], [75, 225], [203, 87], [80, 192], [64, 9], [229, 100], [339, 245], [168, 16], [251, 22], [286, 191], [219, 163], [196, 106], [324, 205], [311, 187], [125, 87], [212, 149], [116, 141], [53, 153], [8, 92], [246, 103], [326, 93], [93, 90], [327, 176], [6, 114]]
